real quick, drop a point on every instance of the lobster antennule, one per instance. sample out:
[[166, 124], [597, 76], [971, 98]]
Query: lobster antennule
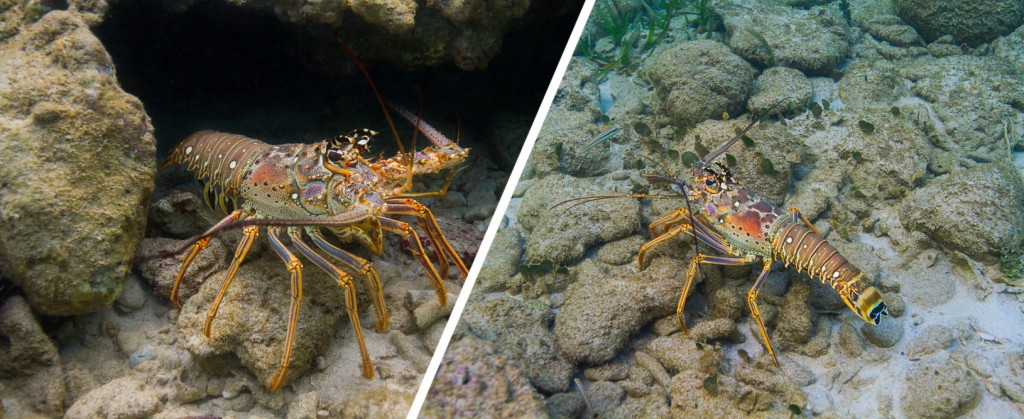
[[729, 143], [430, 132]]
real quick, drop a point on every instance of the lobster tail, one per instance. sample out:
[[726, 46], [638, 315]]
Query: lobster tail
[[218, 162], [806, 250]]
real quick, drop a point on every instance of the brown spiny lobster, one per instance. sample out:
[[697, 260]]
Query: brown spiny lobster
[[308, 188], [746, 227]]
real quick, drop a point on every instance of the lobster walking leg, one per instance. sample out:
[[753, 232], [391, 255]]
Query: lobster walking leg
[[364, 267], [751, 297], [691, 273], [429, 224], [295, 267], [408, 207], [250, 233], [678, 222], [345, 280], [198, 247], [406, 231], [794, 212]]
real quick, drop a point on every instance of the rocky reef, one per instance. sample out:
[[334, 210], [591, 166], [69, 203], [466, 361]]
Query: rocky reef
[[93, 94], [904, 147]]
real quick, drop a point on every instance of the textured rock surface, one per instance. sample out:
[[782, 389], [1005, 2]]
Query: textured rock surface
[[76, 165], [378, 403], [968, 119], [563, 236], [31, 375], [700, 80], [778, 83], [407, 32], [813, 41], [533, 344], [474, 377], [126, 398], [969, 21], [939, 389], [610, 303], [253, 317], [957, 212]]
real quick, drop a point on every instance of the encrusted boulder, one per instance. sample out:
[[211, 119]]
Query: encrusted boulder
[[77, 163]]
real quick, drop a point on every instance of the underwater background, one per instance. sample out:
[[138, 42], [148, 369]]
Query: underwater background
[[93, 95], [900, 137]]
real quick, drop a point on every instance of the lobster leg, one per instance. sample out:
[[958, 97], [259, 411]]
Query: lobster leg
[[434, 194], [691, 273], [295, 267], [406, 231], [429, 224], [751, 297], [408, 207], [250, 233], [198, 247], [364, 267], [794, 212], [343, 279], [678, 222]]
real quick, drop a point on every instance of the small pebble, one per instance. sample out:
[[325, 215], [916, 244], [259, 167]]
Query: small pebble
[[321, 363], [886, 334], [132, 296], [895, 304], [162, 378], [408, 349], [427, 313]]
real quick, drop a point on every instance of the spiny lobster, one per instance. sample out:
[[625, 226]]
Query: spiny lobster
[[308, 187], [738, 223]]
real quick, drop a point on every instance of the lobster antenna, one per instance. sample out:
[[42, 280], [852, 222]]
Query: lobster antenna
[[659, 165], [375, 92], [722, 149], [592, 198], [458, 129]]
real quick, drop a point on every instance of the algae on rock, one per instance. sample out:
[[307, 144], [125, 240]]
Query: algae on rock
[[77, 158]]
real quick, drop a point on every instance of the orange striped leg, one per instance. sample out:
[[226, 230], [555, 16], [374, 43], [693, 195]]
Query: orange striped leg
[[406, 231], [364, 267], [691, 273], [198, 247], [400, 207], [250, 233], [295, 267], [751, 296], [668, 222], [345, 280], [429, 224], [794, 212], [642, 254], [683, 225]]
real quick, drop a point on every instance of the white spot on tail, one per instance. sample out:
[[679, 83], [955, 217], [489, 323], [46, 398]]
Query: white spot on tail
[[232, 164], [188, 150]]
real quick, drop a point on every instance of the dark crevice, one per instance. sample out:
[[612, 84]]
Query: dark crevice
[[224, 67]]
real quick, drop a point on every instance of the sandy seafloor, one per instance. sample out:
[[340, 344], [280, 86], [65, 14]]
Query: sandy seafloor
[[932, 218]]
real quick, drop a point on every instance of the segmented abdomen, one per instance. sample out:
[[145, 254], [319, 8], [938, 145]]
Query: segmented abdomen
[[797, 245], [218, 161]]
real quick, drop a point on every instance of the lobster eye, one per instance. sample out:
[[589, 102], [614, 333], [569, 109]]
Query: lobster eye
[[334, 156]]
